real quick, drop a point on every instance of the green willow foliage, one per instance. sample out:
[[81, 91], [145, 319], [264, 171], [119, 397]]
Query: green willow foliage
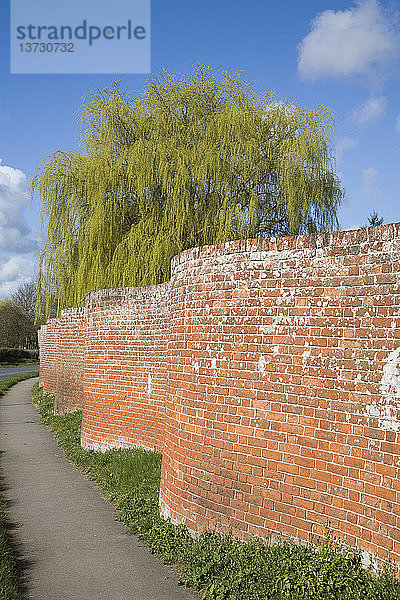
[[194, 160]]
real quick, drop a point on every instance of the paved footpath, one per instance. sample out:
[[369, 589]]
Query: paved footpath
[[65, 530]]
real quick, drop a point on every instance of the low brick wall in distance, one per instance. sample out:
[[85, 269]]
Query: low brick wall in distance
[[48, 349]]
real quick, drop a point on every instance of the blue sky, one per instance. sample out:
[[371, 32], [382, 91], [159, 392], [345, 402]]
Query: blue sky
[[340, 54]]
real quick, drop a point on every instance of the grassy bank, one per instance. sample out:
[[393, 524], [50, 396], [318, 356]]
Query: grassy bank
[[10, 587], [220, 566], [6, 384], [28, 362]]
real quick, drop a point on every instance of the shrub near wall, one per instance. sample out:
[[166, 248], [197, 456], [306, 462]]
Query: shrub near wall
[[278, 363], [15, 355]]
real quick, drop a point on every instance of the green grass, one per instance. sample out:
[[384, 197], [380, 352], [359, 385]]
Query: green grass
[[10, 586], [221, 567], [5, 384], [21, 363]]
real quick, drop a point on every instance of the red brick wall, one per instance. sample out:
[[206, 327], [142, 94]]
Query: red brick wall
[[279, 365], [125, 368], [71, 326], [42, 354], [48, 343]]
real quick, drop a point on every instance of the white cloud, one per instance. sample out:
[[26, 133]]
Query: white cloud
[[15, 234], [370, 110], [345, 43], [371, 190], [14, 267], [14, 231], [343, 145], [14, 271]]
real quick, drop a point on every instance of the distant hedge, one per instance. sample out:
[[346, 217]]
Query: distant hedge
[[15, 355]]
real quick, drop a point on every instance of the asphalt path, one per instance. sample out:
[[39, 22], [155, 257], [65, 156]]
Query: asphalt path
[[66, 533], [9, 371]]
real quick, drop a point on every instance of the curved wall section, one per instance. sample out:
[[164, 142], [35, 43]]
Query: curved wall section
[[282, 411], [125, 368], [42, 353], [48, 352], [267, 372], [70, 359]]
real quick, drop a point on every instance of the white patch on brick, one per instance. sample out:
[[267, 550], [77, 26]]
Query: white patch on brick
[[214, 363], [119, 442], [368, 560], [261, 365], [387, 408], [196, 366], [282, 320], [149, 384], [267, 329], [164, 510]]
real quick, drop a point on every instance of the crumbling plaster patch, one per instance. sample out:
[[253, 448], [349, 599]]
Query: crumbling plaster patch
[[387, 409]]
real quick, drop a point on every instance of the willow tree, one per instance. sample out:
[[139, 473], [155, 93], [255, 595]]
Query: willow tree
[[193, 160]]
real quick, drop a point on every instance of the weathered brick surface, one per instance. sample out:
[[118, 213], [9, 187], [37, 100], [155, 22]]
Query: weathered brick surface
[[71, 341], [268, 372], [48, 343], [125, 368], [42, 354]]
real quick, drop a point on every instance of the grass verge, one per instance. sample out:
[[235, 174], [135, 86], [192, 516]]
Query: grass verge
[[220, 566], [10, 586], [28, 362]]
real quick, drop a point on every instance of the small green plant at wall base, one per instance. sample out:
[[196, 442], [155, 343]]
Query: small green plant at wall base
[[218, 565]]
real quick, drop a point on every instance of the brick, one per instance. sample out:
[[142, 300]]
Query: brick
[[257, 371]]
